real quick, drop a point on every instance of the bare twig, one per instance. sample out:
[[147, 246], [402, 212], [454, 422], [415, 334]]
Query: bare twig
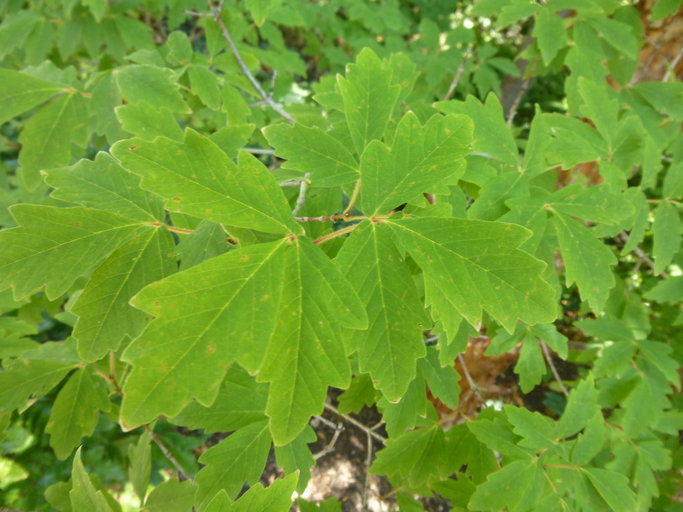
[[255, 83], [524, 87], [330, 446], [474, 388], [549, 360], [355, 423], [671, 68], [640, 254], [458, 73], [366, 483], [169, 456], [259, 151], [301, 199]]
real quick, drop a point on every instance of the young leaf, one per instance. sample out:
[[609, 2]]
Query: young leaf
[[537, 431], [198, 179], [581, 406], [75, 412], [52, 246], [419, 159], [83, 494], [311, 150], [389, 348], [475, 266], [369, 98], [530, 366], [297, 456], [148, 122], [237, 460]]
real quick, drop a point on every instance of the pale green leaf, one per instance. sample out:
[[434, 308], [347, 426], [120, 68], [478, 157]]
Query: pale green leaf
[[171, 496], [235, 461], [491, 135], [666, 232], [537, 431], [360, 393], [389, 348], [600, 107], [105, 185], [613, 487], [582, 405], [297, 456], [198, 179], [141, 83], [310, 150], [442, 380], [369, 98], [21, 92], [618, 34], [104, 316], [505, 488], [530, 366], [586, 259], [179, 48], [550, 34], [537, 145], [419, 159], [667, 291], [35, 373], [140, 464], [277, 497], [590, 442], [207, 240], [148, 121], [259, 9], [416, 457], [475, 266], [220, 503], [596, 204], [47, 137], [52, 247], [205, 85], [83, 494], [660, 356], [241, 401], [75, 412]]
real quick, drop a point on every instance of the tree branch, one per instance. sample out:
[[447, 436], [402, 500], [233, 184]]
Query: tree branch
[[255, 83], [549, 360], [355, 423]]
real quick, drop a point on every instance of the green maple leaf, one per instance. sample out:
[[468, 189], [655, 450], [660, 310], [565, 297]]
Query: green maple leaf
[[103, 184], [587, 260], [474, 266], [142, 83], [311, 150], [389, 347], [47, 137], [83, 494], [197, 178], [21, 92], [75, 412], [419, 159], [237, 460], [275, 308], [52, 247], [369, 97]]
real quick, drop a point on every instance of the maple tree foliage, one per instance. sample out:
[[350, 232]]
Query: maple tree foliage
[[214, 214]]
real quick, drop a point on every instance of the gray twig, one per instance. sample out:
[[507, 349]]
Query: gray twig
[[301, 199], [355, 423], [169, 456], [458, 73], [549, 360], [255, 83]]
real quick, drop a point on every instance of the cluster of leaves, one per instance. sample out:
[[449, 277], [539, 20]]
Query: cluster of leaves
[[185, 246]]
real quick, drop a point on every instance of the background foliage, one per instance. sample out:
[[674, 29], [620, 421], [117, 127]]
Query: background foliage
[[213, 213]]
